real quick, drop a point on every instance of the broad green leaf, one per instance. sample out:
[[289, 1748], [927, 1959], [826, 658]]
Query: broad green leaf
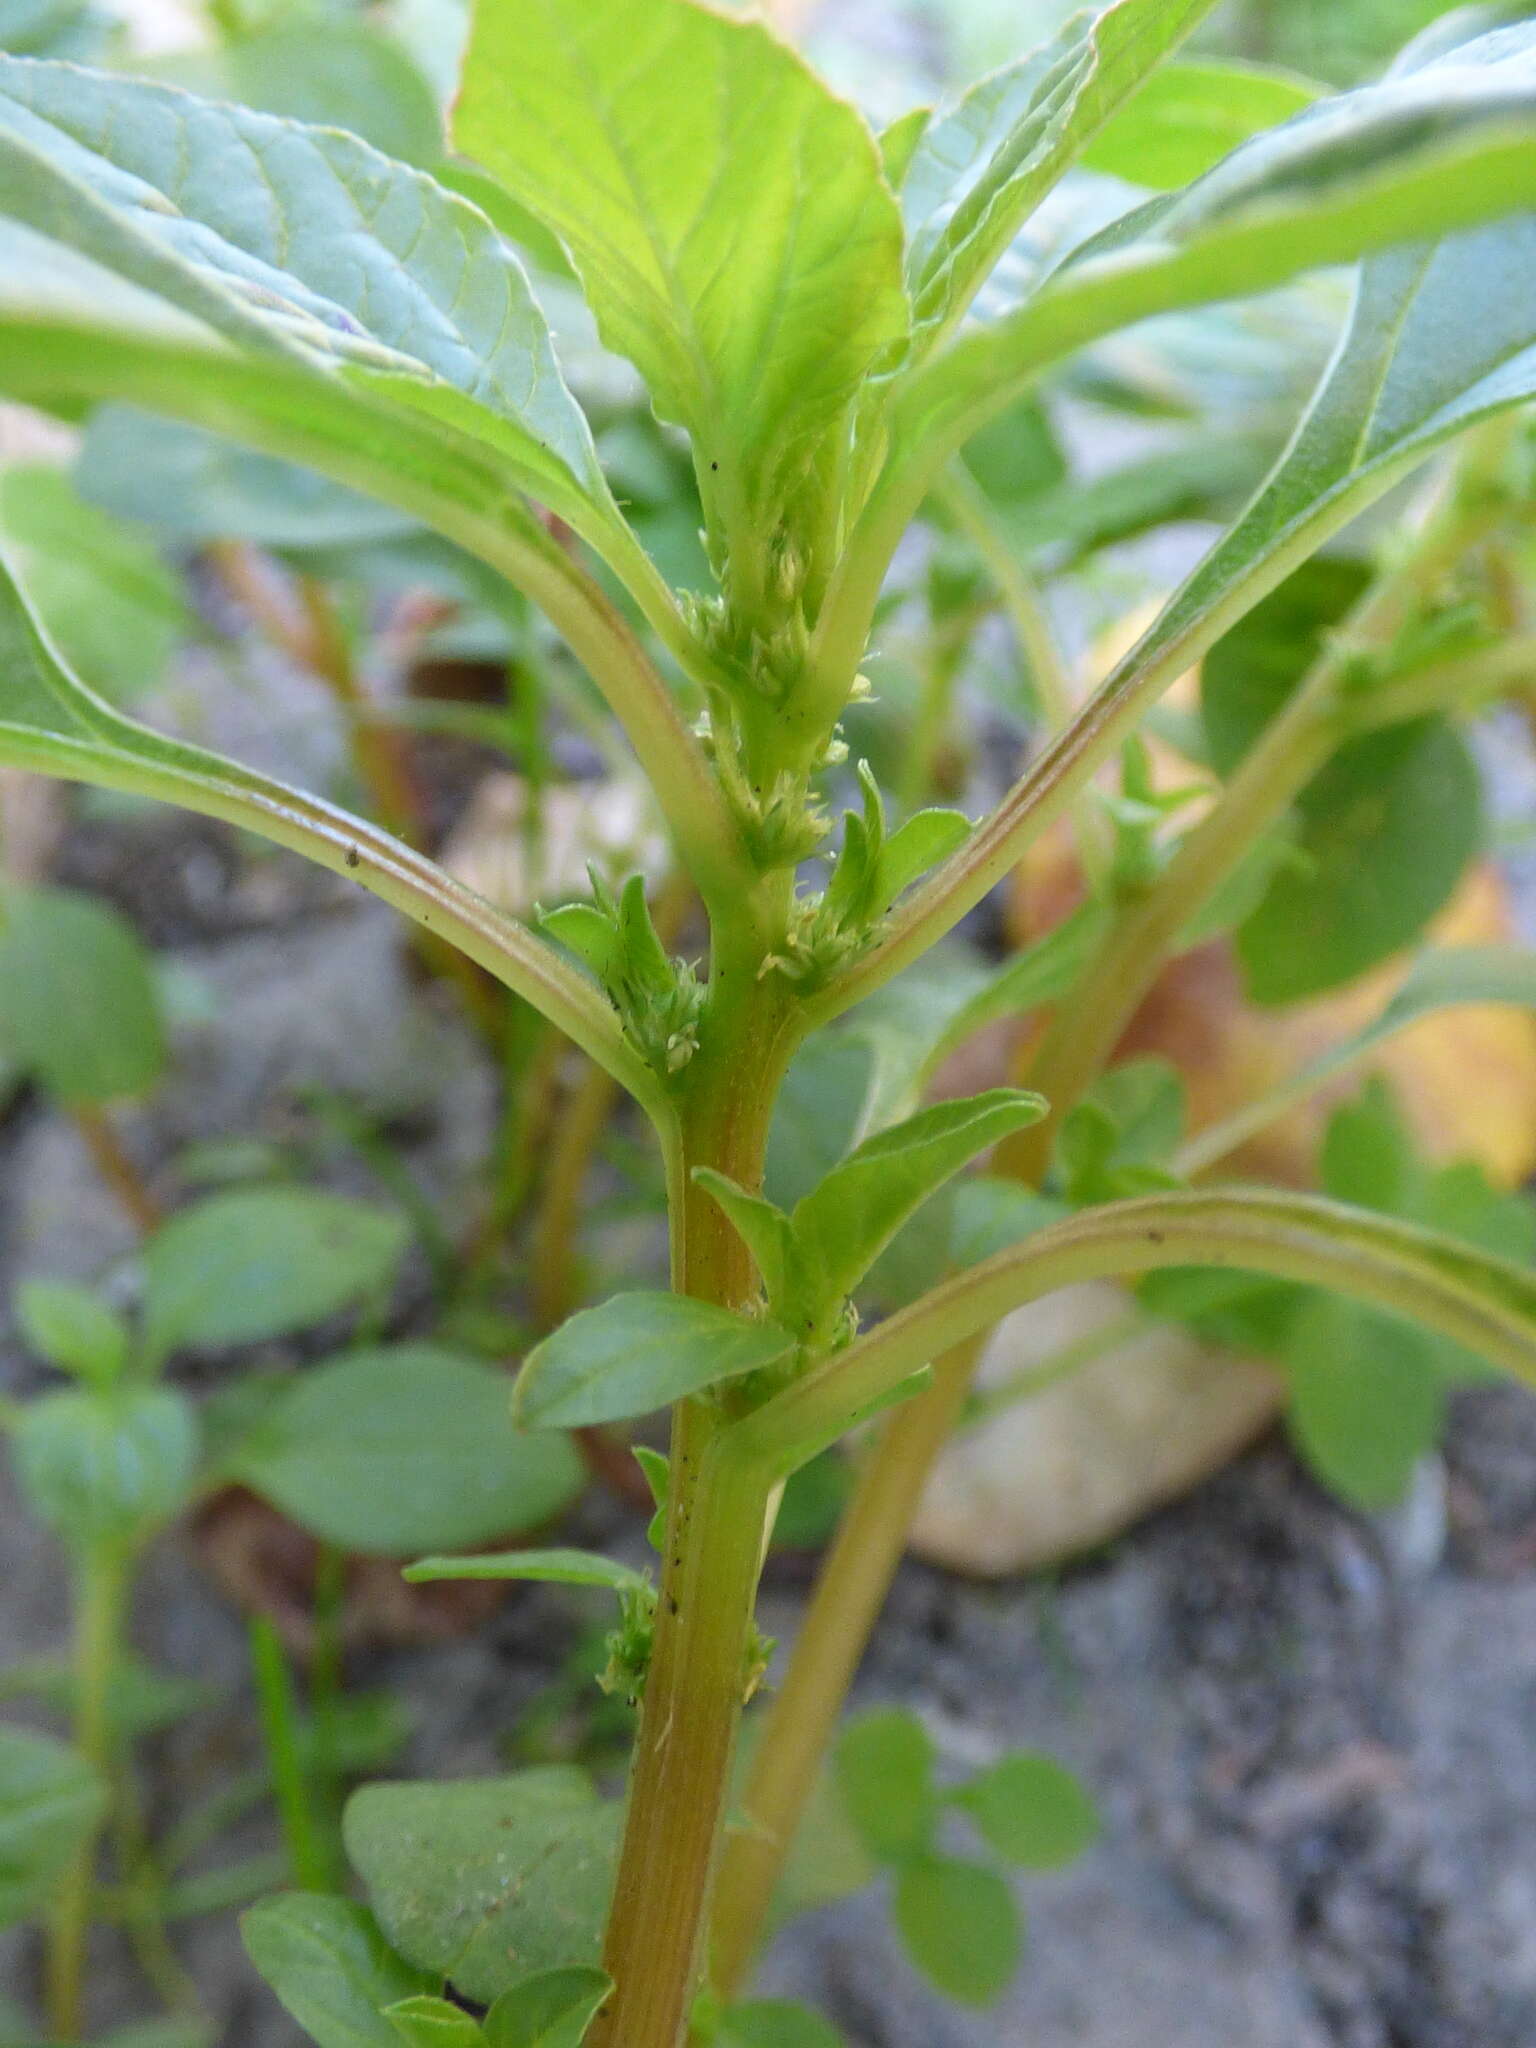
[[238, 218], [1119, 1139], [560, 1567], [550, 2010], [79, 1008], [776, 2023], [73, 1329], [330, 1966], [1439, 979], [487, 1880], [1426, 153], [341, 73], [1365, 1400], [109, 1468], [1185, 117], [1032, 1810], [427, 2022], [407, 1448], [982, 167], [725, 213], [192, 485], [51, 1802], [885, 1768], [638, 1352], [960, 1926], [1386, 833], [253, 1263], [106, 597]]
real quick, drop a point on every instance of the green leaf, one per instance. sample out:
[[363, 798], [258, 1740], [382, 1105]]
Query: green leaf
[[79, 1008], [402, 1449], [107, 1468], [775, 2023], [141, 1699], [1185, 117], [51, 1803], [638, 1352], [1120, 1138], [330, 1966], [1429, 152], [1387, 830], [552, 2010], [249, 1264], [885, 1769], [430, 310], [1032, 1810], [1365, 1400], [560, 1567], [926, 838], [341, 74], [959, 1924], [982, 167], [487, 1880], [427, 2022], [73, 1329], [817, 1256], [106, 597], [725, 213]]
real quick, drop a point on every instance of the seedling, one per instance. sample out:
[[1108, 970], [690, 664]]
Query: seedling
[[796, 293]]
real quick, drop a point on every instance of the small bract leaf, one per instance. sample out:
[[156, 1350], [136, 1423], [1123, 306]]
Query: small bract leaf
[[50, 1804], [1032, 1810], [885, 1769], [551, 2010], [960, 1925], [638, 1352], [255, 1263], [427, 2022], [487, 1880], [402, 1449], [331, 1967], [560, 1567], [79, 1009], [842, 1226], [73, 1329]]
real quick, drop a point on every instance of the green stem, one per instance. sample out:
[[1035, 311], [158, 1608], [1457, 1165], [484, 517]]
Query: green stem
[[101, 1579], [280, 1731], [850, 1591], [1484, 1303], [717, 1517]]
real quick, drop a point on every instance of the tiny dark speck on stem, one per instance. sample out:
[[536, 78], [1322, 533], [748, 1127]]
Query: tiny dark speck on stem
[[1154, 1237], [714, 465], [353, 857], [672, 1603]]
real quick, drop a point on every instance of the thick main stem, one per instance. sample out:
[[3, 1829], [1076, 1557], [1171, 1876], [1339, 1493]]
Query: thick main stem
[[717, 1512]]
